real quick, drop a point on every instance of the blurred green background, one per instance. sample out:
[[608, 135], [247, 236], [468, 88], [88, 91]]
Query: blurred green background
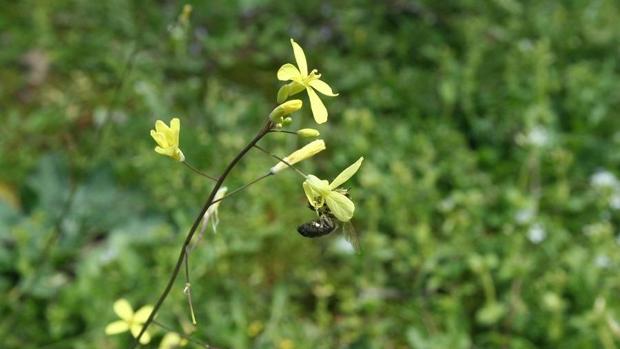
[[488, 204]]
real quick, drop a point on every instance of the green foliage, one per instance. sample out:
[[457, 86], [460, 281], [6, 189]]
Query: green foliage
[[487, 203]]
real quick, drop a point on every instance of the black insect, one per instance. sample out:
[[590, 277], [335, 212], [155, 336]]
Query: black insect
[[327, 223], [323, 225]]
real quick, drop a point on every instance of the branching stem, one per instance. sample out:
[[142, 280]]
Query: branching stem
[[175, 272], [243, 187], [198, 171]]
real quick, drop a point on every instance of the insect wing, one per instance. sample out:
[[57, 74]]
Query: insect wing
[[350, 234]]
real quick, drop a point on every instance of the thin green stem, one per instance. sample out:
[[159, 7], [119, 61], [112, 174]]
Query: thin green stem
[[243, 187], [284, 131], [198, 171], [281, 159], [175, 272], [188, 288]]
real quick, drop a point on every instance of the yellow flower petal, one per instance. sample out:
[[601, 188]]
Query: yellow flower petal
[[175, 129], [346, 174], [320, 186], [143, 314], [314, 198], [318, 108], [322, 87], [305, 152], [341, 206], [146, 338], [175, 124], [123, 309], [288, 72], [159, 139], [135, 331], [300, 58], [172, 340], [165, 151], [161, 127], [116, 327]]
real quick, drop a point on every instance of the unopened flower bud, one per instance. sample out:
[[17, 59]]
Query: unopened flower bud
[[307, 151], [287, 121], [285, 109], [308, 133]]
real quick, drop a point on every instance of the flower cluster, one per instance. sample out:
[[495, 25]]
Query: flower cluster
[[319, 192], [330, 201]]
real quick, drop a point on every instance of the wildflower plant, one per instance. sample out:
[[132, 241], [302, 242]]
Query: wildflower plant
[[329, 201]]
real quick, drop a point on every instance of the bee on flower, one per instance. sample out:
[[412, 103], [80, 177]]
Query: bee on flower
[[321, 192], [301, 80]]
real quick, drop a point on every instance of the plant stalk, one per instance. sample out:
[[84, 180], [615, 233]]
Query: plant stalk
[[177, 268]]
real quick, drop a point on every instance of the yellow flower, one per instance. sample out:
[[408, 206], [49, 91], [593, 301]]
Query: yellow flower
[[286, 344], [284, 109], [172, 340], [300, 80], [130, 321], [320, 192], [167, 139], [298, 155], [255, 328]]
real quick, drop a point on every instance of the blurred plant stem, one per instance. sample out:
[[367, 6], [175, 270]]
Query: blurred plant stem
[[194, 169], [210, 200]]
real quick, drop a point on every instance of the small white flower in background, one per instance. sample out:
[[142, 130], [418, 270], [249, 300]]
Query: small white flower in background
[[538, 136], [603, 179], [341, 245], [536, 233], [525, 215], [602, 261], [614, 202]]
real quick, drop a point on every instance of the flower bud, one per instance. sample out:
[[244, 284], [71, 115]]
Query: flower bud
[[308, 133], [287, 121], [285, 109], [307, 151]]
